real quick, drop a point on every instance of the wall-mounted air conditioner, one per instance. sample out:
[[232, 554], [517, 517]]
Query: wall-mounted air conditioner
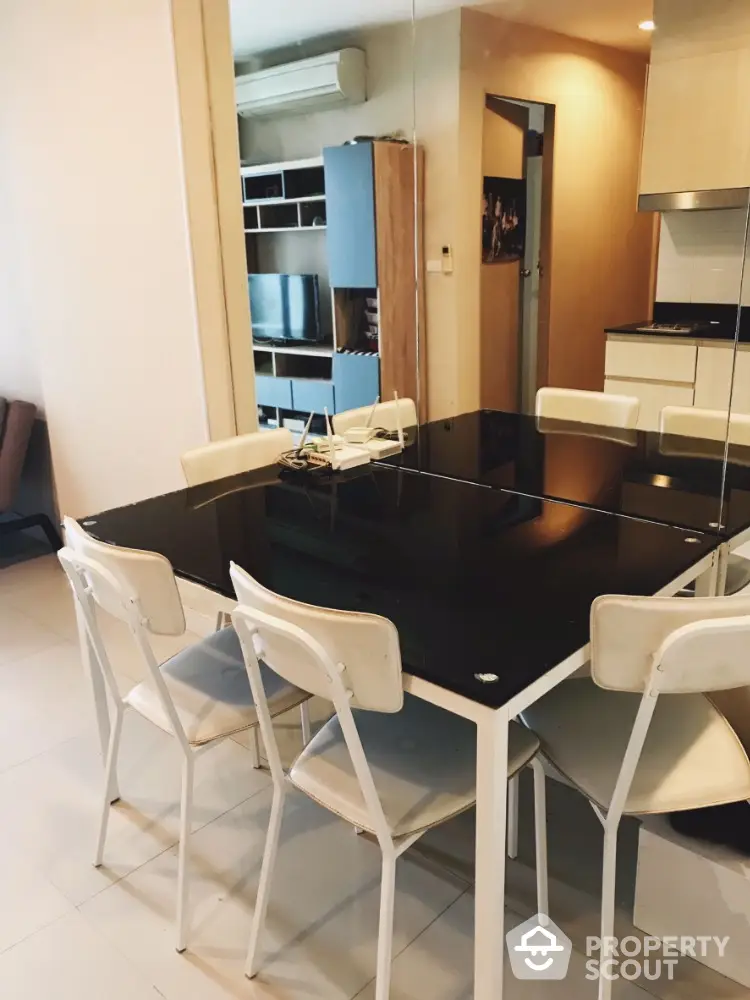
[[327, 81]]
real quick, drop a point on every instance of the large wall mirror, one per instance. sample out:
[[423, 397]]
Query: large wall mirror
[[578, 235], [325, 98]]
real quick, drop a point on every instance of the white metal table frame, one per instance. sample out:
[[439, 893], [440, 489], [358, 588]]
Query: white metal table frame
[[492, 761]]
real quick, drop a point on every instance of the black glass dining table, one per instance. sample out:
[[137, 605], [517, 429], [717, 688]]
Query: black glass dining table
[[490, 590], [671, 479]]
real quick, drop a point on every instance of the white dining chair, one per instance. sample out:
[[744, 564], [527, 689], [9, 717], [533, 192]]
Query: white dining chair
[[583, 406], [714, 425], [235, 455], [388, 763], [643, 736], [200, 696], [695, 424], [390, 415]]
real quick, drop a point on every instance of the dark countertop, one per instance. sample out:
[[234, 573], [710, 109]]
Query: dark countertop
[[707, 332], [712, 321]]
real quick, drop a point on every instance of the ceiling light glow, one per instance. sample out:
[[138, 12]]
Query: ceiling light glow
[[647, 25]]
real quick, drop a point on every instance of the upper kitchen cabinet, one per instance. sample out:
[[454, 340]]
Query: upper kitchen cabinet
[[697, 122]]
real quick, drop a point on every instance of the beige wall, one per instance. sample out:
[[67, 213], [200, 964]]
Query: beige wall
[[91, 133], [601, 248]]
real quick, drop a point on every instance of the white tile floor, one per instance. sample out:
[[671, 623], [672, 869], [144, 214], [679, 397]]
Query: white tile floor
[[72, 932]]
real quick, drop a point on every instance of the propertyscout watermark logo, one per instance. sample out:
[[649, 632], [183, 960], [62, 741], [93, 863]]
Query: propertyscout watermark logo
[[538, 949]]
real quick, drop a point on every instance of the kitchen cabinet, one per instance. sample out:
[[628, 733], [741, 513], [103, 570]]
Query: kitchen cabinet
[[665, 371], [654, 396], [697, 119], [713, 378], [659, 371]]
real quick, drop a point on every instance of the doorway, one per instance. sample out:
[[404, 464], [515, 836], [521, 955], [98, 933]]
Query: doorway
[[517, 148]]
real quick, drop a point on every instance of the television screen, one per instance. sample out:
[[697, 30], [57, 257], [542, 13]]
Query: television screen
[[284, 307]]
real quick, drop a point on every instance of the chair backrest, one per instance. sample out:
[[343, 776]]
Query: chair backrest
[[234, 455], [329, 656], [367, 646], [15, 432], [104, 585], [699, 644], [693, 422], [387, 415], [582, 406], [144, 576]]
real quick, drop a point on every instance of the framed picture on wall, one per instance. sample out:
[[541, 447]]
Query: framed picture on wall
[[503, 219]]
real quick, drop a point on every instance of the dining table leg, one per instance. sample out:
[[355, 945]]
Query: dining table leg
[[708, 584], [489, 880]]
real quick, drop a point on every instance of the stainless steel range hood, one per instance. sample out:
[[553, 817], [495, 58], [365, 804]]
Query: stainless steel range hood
[[694, 201]]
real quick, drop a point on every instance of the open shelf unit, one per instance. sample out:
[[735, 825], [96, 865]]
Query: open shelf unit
[[360, 197]]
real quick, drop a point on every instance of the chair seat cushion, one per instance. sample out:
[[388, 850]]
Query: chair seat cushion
[[738, 574], [210, 689], [422, 759], [692, 756]]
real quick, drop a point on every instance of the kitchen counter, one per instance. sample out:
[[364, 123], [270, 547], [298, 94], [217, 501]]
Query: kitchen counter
[[708, 331]]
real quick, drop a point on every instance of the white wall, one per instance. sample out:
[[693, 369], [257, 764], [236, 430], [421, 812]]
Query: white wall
[[92, 146], [19, 370], [700, 257]]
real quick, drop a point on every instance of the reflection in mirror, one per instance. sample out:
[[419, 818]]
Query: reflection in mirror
[[557, 253], [736, 492], [328, 187]]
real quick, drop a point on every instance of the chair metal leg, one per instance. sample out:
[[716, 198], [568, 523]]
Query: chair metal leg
[[264, 886], [110, 784], [304, 714], [513, 817], [385, 928], [183, 886], [540, 831], [220, 619], [609, 875]]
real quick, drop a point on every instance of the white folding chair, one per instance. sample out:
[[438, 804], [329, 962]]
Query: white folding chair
[[387, 763], [582, 406], [391, 415], [235, 455], [680, 427], [631, 751], [201, 696]]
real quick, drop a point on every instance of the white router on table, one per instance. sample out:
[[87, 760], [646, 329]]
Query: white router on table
[[341, 453], [367, 435]]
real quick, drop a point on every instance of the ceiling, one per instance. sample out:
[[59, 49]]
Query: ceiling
[[261, 25]]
